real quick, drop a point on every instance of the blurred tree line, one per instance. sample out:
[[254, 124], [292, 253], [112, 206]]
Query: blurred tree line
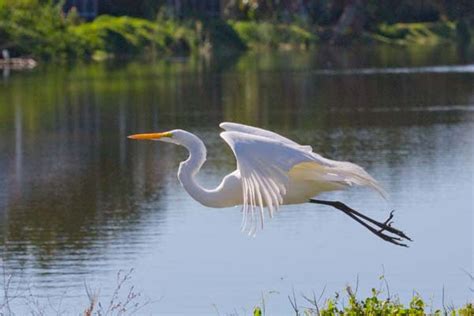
[[60, 29], [336, 19], [320, 12]]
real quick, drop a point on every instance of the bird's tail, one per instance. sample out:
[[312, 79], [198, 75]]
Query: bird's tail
[[352, 174]]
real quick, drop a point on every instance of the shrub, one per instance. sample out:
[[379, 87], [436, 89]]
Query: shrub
[[125, 36], [119, 35], [271, 35], [416, 33], [28, 28], [372, 305]]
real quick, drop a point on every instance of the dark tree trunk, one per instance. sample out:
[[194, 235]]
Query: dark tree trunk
[[350, 23]]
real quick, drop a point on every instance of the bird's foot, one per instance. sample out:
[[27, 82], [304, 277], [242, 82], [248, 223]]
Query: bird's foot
[[383, 230]]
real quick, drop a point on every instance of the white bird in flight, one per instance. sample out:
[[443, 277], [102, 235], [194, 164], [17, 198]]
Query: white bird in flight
[[272, 170]]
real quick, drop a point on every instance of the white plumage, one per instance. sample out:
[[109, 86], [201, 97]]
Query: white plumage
[[272, 170], [275, 170]]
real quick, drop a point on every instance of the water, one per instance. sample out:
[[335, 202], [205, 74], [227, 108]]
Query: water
[[80, 202]]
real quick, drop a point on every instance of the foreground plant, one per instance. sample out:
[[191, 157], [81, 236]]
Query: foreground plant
[[372, 306]]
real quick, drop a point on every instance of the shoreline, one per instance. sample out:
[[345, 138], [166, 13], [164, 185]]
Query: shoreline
[[116, 37]]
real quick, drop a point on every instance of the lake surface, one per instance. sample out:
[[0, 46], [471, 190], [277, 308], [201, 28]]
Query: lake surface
[[79, 201]]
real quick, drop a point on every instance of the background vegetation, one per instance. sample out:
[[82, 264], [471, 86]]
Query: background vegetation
[[50, 29]]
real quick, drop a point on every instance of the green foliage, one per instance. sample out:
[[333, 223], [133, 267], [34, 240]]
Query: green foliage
[[467, 310], [180, 37], [124, 35], [416, 33], [18, 3], [258, 34], [373, 306], [257, 311], [43, 31], [40, 30]]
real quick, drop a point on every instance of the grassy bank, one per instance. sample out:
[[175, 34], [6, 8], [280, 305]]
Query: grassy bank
[[350, 305], [43, 31], [125, 299]]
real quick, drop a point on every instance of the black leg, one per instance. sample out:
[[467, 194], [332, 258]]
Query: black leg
[[366, 221]]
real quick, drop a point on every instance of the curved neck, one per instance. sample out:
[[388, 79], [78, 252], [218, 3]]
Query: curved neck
[[190, 167]]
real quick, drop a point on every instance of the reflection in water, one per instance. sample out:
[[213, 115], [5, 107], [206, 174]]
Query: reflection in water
[[79, 201], [402, 70]]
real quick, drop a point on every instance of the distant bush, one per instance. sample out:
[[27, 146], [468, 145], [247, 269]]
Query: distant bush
[[272, 35], [28, 28], [18, 3], [40, 28], [45, 32], [416, 33], [124, 35], [130, 36]]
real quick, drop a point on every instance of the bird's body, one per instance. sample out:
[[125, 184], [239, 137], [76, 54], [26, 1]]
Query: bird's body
[[229, 192], [271, 171], [303, 184]]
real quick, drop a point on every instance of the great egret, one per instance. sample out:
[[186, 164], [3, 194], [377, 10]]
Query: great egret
[[272, 170]]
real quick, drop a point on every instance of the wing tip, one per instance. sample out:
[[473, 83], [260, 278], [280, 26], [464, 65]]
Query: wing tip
[[227, 137], [382, 192], [225, 125], [224, 134]]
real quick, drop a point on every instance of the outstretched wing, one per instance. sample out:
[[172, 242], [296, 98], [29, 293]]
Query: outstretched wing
[[236, 127], [264, 160], [342, 172], [264, 164]]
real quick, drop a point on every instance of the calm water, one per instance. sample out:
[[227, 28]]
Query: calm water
[[79, 201]]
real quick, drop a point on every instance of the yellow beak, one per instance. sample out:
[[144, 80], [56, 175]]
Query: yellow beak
[[150, 135]]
